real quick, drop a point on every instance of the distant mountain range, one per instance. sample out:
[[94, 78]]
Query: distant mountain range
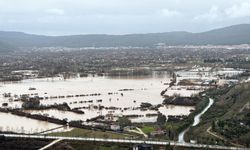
[[237, 34]]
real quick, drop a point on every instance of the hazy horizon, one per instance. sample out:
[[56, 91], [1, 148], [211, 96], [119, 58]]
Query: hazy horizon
[[124, 33]]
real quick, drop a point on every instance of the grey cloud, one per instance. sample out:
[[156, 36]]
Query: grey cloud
[[212, 15], [241, 10], [55, 11], [59, 17]]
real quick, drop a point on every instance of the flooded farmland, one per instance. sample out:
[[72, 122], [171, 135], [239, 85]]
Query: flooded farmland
[[89, 93], [111, 97], [13, 123], [90, 97]]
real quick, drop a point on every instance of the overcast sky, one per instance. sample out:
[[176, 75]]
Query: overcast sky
[[64, 17]]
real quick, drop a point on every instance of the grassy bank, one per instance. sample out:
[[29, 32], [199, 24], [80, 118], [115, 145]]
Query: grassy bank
[[77, 132]]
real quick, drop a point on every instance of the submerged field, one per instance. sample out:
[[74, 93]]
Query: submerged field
[[125, 95], [140, 98]]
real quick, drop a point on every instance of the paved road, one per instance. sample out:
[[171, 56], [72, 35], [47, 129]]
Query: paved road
[[173, 143]]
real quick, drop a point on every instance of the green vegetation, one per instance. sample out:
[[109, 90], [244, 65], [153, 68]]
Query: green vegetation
[[124, 121], [173, 128], [233, 128], [31, 104], [7, 143], [147, 129], [161, 119], [76, 132], [227, 122]]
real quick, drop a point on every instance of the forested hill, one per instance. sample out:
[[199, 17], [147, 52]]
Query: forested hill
[[6, 47], [237, 34]]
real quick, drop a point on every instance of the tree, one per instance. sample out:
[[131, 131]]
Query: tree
[[146, 105], [31, 103], [5, 104], [213, 125], [161, 119], [168, 147], [124, 121]]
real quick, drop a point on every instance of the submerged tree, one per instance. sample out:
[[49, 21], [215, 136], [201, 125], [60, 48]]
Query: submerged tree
[[161, 119], [124, 121]]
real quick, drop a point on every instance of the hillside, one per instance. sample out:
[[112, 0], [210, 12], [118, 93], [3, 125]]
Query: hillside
[[6, 47], [237, 34], [228, 120]]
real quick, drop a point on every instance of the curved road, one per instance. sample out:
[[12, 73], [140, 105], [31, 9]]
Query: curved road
[[197, 120]]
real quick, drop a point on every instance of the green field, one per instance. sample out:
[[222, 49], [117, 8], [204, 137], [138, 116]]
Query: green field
[[147, 129], [76, 132]]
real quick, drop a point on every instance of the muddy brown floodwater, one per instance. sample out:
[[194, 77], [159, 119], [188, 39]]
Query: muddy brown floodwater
[[144, 89]]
